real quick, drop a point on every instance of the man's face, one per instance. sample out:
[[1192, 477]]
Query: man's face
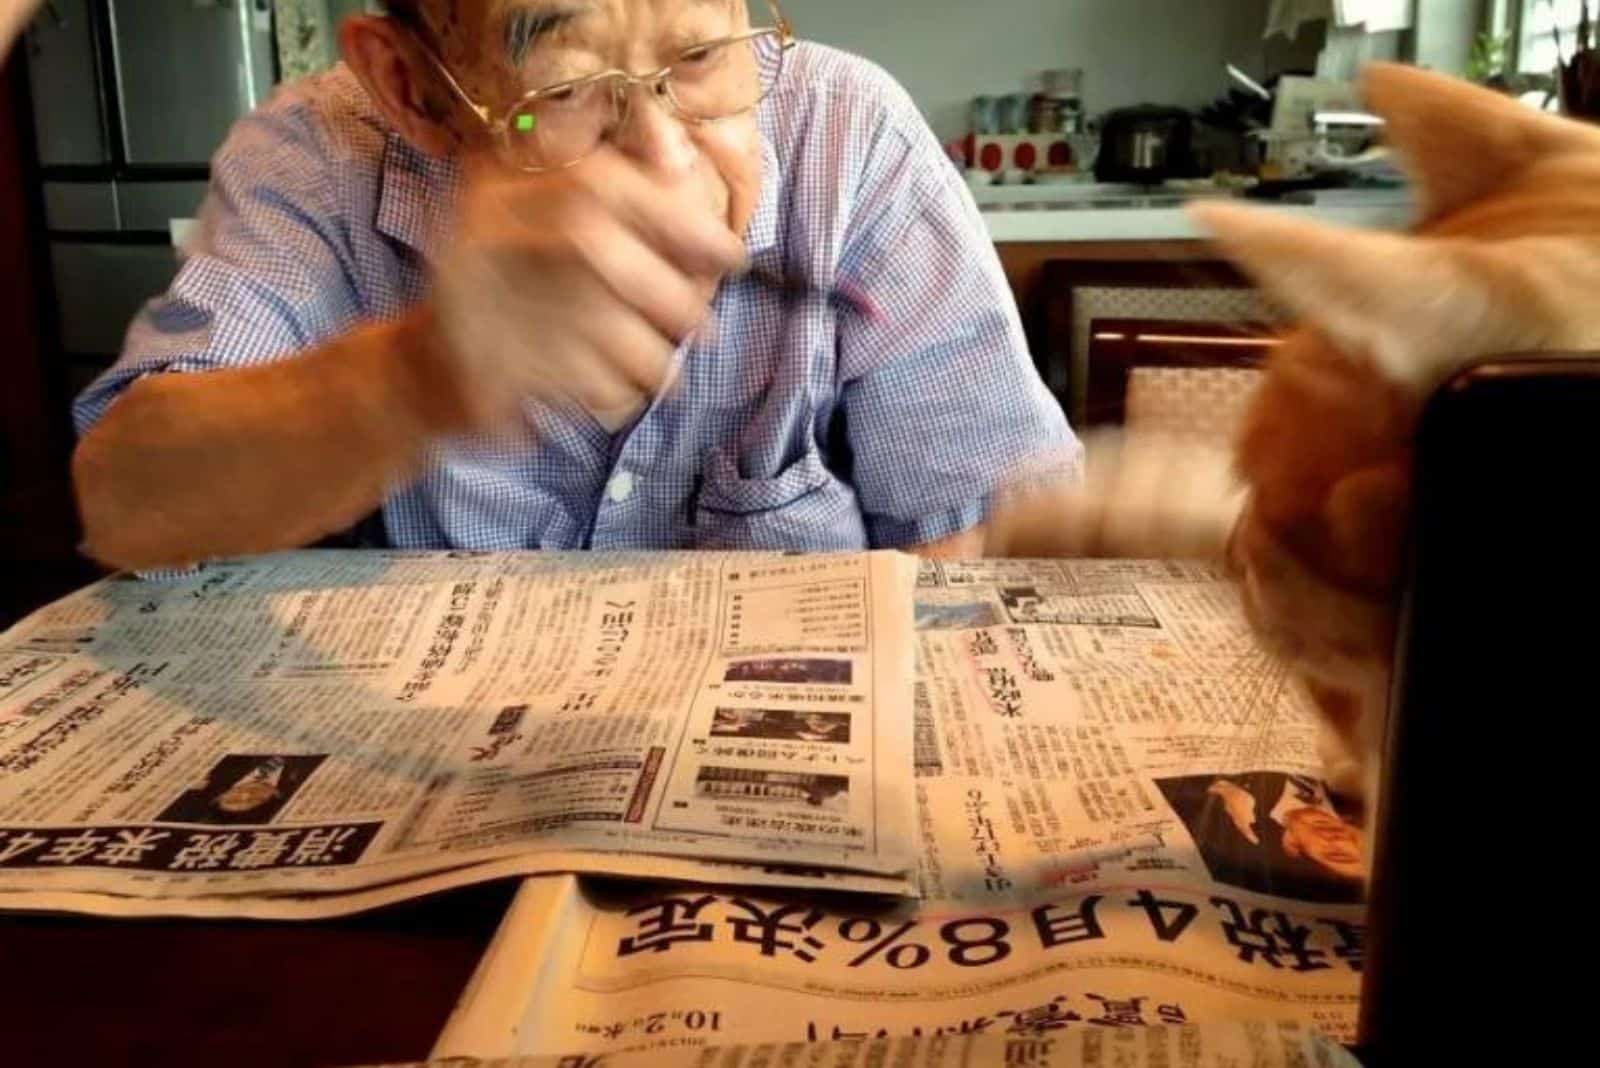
[[502, 49], [1325, 839]]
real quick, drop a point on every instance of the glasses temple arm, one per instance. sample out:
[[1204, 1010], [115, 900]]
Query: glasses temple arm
[[455, 87]]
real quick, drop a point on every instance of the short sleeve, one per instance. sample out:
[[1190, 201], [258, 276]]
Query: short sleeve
[[268, 273], [943, 405]]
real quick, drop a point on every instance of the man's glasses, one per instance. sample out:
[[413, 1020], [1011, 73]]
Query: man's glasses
[[557, 126]]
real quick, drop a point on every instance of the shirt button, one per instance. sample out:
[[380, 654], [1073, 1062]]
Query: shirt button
[[621, 487]]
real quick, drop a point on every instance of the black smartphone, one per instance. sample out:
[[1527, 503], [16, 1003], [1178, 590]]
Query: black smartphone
[[1482, 926]]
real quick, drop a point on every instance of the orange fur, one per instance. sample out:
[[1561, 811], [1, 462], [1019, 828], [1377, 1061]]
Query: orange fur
[[1319, 430], [1505, 260], [1509, 245]]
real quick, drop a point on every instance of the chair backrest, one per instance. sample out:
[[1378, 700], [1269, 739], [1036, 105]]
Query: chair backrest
[[1204, 403]]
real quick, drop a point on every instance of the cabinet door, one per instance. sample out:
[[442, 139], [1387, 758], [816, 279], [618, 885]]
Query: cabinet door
[[65, 80], [101, 289]]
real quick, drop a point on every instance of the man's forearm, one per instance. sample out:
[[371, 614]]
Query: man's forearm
[[190, 466]]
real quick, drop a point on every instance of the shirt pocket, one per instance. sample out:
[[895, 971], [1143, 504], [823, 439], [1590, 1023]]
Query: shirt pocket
[[803, 507]]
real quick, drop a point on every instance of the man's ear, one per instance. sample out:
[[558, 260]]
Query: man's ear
[[402, 82]]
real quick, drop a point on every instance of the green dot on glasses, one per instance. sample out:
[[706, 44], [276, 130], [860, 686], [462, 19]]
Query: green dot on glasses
[[525, 123]]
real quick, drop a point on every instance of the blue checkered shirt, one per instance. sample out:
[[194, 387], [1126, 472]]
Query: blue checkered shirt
[[794, 424]]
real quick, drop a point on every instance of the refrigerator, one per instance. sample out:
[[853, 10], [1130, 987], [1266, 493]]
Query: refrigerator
[[130, 98]]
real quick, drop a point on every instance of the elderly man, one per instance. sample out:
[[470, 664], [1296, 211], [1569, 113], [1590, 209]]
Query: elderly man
[[573, 273]]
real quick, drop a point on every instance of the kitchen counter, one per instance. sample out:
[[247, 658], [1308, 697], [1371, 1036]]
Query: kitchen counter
[[1096, 213], [1091, 213]]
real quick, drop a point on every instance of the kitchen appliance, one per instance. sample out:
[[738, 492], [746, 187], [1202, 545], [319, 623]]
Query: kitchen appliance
[[1146, 145], [130, 100], [173, 112], [1348, 139], [1344, 143]]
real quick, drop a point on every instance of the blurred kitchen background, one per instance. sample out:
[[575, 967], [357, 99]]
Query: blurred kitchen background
[[1081, 126]]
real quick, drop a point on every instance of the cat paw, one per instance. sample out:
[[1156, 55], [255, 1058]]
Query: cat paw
[[1143, 495]]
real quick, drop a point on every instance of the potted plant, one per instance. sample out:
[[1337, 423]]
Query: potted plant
[[1490, 66]]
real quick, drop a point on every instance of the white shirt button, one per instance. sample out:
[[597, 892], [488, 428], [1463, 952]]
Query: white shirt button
[[621, 487]]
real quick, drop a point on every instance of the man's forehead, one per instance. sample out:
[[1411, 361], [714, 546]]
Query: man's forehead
[[481, 14], [494, 37]]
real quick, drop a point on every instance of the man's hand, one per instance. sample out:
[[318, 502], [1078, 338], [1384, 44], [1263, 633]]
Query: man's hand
[[577, 283], [574, 284], [1241, 808]]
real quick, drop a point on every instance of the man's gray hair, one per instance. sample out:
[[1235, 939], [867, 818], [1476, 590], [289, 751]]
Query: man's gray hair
[[520, 32], [407, 11]]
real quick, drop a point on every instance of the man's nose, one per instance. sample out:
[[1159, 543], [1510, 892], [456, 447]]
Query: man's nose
[[653, 134]]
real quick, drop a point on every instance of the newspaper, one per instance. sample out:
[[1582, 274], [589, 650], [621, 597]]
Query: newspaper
[[1229, 1045], [311, 733], [1121, 826]]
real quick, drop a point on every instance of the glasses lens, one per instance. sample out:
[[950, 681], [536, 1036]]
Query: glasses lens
[[562, 125], [714, 81]]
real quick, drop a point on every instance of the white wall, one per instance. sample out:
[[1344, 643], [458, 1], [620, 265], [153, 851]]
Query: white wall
[[1446, 30], [1132, 51]]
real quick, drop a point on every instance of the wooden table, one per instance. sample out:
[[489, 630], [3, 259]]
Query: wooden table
[[364, 990]]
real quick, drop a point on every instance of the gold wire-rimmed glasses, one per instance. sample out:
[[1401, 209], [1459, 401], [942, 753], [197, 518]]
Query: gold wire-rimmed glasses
[[557, 126]]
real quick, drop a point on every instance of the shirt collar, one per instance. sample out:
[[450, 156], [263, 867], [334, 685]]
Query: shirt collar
[[412, 183]]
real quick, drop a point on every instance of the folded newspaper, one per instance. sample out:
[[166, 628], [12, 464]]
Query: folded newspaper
[[1121, 826], [313, 733], [1016, 799]]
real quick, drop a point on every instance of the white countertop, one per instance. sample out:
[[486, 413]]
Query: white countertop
[[1019, 214]]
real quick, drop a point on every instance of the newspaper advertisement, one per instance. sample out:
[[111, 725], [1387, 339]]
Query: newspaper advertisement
[[1121, 826], [315, 729], [1226, 1045]]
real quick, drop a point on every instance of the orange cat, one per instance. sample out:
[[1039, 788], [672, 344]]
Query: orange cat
[[1505, 260]]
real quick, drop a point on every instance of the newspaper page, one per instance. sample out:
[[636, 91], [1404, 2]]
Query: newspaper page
[[1122, 825], [1226, 1045], [294, 735]]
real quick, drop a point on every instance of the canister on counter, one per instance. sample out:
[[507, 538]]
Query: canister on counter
[[1044, 114], [985, 116], [1065, 87], [1013, 117]]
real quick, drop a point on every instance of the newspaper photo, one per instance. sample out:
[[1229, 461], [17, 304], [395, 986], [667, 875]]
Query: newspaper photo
[[1121, 826], [302, 734]]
